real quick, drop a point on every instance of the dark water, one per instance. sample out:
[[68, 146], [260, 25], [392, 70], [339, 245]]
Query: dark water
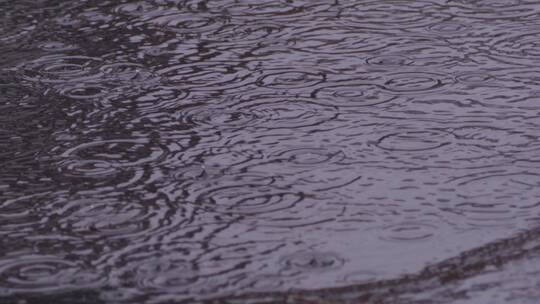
[[284, 151]]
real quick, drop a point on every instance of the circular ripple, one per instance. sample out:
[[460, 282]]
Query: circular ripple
[[415, 141], [391, 14], [410, 231], [306, 261], [54, 46], [84, 92], [190, 172], [309, 156], [122, 68], [20, 215], [206, 77], [61, 69], [415, 82], [332, 41], [449, 28], [134, 9], [494, 139], [172, 268], [244, 33], [474, 78], [217, 117], [117, 153], [496, 3], [497, 198], [107, 217], [248, 200], [182, 23], [278, 113], [360, 277], [12, 93], [41, 273], [89, 168], [389, 60], [496, 9], [360, 95], [161, 99], [291, 80], [522, 48], [265, 9], [213, 161], [163, 274]]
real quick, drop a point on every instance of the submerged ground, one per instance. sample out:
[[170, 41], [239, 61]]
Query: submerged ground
[[299, 151]]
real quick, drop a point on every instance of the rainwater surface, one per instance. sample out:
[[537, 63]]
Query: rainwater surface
[[269, 151]]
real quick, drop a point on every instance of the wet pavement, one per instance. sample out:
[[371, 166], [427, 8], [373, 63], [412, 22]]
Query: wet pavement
[[284, 151]]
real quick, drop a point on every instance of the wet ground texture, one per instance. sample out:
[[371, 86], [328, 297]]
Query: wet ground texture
[[283, 151]]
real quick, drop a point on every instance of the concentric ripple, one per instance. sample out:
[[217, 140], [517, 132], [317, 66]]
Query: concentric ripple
[[336, 40], [311, 261], [447, 28], [291, 79], [286, 113], [54, 46], [22, 214], [389, 60], [189, 151], [43, 273], [518, 47], [390, 15], [309, 156], [415, 141], [134, 9], [107, 161], [244, 34], [494, 139], [415, 82], [61, 69], [219, 117], [206, 77], [247, 200], [497, 9], [475, 78], [85, 92], [501, 197], [176, 269], [109, 217], [360, 95], [182, 23], [279, 10], [409, 231], [118, 152]]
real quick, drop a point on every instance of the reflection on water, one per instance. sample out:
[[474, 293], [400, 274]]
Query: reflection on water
[[238, 151]]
